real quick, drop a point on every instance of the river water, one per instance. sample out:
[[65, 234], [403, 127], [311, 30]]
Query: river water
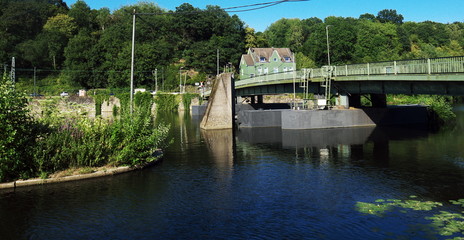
[[256, 184]]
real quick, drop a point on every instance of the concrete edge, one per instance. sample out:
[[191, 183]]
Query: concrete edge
[[97, 174], [332, 127]]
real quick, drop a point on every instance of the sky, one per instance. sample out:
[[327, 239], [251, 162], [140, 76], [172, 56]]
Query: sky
[[444, 11]]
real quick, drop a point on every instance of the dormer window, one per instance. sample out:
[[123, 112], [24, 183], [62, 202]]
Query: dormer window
[[262, 59], [287, 59]]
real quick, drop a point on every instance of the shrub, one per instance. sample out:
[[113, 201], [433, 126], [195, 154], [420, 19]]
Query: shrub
[[17, 133], [166, 102]]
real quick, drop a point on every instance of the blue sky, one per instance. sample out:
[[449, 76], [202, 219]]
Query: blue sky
[[444, 11]]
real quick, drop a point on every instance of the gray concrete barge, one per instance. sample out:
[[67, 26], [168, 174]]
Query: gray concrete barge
[[320, 119]]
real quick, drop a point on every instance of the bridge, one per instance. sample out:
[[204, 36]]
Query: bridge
[[438, 76]]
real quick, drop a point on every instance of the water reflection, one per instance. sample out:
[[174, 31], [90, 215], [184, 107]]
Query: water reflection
[[220, 144]]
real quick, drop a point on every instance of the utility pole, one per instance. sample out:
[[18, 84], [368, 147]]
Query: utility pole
[[180, 79], [329, 69], [156, 79], [217, 63], [185, 82], [35, 89], [13, 71], [328, 48], [132, 65], [294, 80]]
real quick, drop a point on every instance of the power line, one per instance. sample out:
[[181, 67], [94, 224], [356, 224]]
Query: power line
[[251, 7], [258, 6]]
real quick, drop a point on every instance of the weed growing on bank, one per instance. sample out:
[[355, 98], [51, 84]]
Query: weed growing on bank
[[38, 147]]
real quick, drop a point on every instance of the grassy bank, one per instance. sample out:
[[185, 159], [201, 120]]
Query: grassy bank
[[31, 147]]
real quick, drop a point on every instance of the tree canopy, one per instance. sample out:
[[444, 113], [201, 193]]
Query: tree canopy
[[92, 48]]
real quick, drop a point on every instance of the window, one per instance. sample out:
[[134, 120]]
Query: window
[[252, 75], [285, 69], [260, 71], [276, 70], [242, 72], [290, 69], [287, 59], [262, 59], [266, 70], [275, 59]]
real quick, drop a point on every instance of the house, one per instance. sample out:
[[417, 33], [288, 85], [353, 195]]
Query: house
[[265, 61]]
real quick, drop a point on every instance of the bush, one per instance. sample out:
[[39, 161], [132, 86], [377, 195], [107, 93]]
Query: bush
[[30, 148], [166, 102], [17, 133], [81, 142]]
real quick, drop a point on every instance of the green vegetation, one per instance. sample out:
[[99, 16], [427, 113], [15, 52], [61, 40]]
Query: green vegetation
[[55, 142], [88, 48], [166, 102], [18, 133], [78, 47], [439, 105], [369, 38], [187, 100], [445, 223]]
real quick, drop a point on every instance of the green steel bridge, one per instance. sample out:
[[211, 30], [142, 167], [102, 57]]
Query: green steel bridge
[[439, 76]]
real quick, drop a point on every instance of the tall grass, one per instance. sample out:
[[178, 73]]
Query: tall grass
[[38, 147]]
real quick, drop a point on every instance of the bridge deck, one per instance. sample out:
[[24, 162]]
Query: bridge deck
[[422, 76]]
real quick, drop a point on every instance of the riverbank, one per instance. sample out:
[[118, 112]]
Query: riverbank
[[78, 174]]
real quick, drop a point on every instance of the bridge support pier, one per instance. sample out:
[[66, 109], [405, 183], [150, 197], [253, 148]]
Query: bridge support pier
[[379, 100], [343, 101], [354, 100], [220, 113], [252, 99]]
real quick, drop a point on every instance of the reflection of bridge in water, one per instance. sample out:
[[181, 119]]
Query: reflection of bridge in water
[[441, 76]]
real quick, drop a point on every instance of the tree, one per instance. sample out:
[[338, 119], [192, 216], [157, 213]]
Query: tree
[[250, 38], [303, 61], [79, 57], [254, 39], [377, 42], [390, 15], [17, 134], [103, 18], [367, 16], [61, 23], [81, 14], [278, 34]]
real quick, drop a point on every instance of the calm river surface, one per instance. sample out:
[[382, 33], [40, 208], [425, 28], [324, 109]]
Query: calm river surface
[[260, 184]]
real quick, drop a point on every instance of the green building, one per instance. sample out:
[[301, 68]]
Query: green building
[[266, 61]]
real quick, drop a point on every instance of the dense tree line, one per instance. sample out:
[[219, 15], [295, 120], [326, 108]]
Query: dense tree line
[[365, 39], [92, 48]]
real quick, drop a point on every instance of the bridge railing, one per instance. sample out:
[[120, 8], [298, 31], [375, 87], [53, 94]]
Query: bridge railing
[[417, 66], [274, 77]]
